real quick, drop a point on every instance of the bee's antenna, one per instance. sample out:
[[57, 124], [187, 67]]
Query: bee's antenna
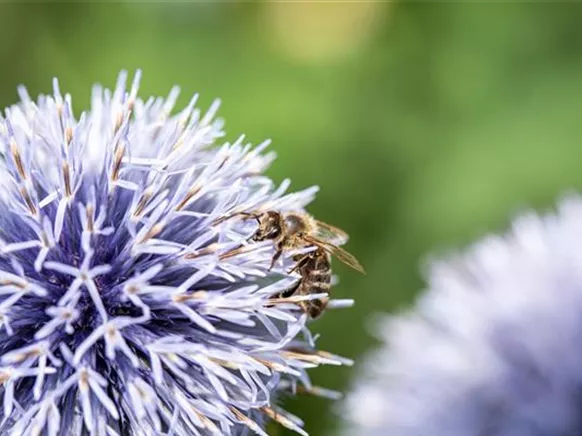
[[245, 214]]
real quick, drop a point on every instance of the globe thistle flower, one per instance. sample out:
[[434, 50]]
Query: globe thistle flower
[[491, 348], [126, 306]]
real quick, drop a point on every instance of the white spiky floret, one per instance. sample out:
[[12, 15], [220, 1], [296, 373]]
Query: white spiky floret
[[491, 347], [120, 312]]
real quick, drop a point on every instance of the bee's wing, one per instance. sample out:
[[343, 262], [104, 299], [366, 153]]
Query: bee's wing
[[327, 232], [339, 252]]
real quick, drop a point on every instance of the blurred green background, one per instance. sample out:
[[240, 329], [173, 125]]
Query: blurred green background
[[426, 125]]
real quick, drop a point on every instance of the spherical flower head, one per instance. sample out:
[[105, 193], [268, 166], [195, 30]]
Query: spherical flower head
[[128, 305], [491, 348]]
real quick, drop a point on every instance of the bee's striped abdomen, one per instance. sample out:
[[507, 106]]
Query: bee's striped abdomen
[[315, 279]]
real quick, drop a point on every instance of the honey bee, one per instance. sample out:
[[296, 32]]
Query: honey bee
[[293, 230]]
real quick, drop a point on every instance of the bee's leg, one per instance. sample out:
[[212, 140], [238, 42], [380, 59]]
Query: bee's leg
[[257, 218], [251, 215], [300, 263], [276, 257], [290, 291]]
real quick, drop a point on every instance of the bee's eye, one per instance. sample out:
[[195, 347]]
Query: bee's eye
[[292, 224]]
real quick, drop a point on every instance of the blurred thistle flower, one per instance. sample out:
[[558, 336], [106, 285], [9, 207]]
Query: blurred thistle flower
[[119, 312], [492, 348]]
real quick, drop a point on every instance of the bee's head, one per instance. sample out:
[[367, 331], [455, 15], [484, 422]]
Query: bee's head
[[269, 227]]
